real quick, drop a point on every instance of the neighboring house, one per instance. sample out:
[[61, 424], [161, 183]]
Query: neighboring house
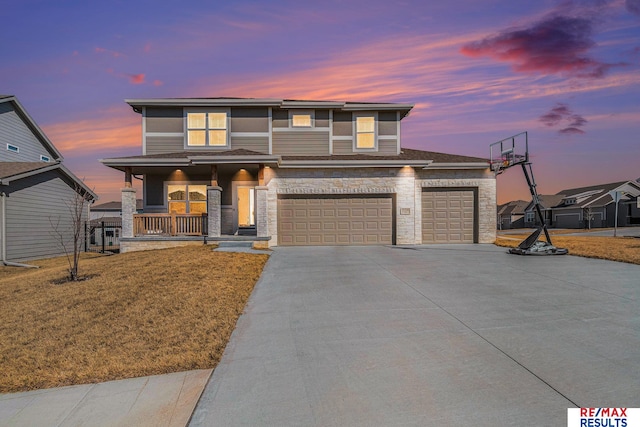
[[547, 202], [36, 189], [111, 210], [296, 173], [593, 207], [105, 225], [511, 214]]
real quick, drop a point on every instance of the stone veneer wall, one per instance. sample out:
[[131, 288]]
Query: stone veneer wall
[[484, 181], [406, 183], [146, 244]]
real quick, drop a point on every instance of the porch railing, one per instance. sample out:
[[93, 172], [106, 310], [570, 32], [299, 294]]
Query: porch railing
[[170, 224]]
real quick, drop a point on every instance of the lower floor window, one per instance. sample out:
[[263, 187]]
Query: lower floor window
[[185, 198]]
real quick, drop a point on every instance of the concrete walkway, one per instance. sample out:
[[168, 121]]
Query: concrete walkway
[[429, 335], [160, 400]]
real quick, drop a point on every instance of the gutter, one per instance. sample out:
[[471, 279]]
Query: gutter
[[3, 235], [457, 166], [352, 163], [205, 160]]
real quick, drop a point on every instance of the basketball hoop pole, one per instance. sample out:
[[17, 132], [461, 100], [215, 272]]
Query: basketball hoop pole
[[534, 196]]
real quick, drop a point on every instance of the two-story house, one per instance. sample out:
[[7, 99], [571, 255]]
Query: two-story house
[[36, 190], [297, 173]]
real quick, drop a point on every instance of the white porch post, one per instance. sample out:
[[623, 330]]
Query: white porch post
[[128, 209], [213, 210], [262, 224]]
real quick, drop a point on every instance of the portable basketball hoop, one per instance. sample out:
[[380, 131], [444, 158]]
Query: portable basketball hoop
[[515, 151]]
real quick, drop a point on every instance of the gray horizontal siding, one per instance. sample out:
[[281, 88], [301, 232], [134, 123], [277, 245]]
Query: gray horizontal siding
[[154, 192], [164, 119], [164, 144], [259, 144], [280, 118], [322, 118], [387, 147], [249, 120], [387, 123], [301, 143], [342, 147], [14, 131], [342, 124], [35, 207]]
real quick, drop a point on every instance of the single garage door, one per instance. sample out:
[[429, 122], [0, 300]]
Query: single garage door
[[335, 220], [448, 216]]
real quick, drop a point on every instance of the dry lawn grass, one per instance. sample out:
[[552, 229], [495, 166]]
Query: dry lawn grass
[[138, 314], [623, 249]]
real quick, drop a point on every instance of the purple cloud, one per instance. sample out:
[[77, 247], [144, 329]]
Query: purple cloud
[[633, 6], [555, 45], [571, 131], [562, 113]]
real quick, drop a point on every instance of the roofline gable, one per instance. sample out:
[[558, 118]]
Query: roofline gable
[[31, 124], [50, 167]]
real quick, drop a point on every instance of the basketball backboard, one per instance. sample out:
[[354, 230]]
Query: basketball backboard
[[509, 152]]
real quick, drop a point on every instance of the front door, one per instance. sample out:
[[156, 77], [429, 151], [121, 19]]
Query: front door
[[246, 206]]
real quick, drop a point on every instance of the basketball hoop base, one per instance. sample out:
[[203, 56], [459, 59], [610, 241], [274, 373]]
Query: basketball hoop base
[[532, 246]]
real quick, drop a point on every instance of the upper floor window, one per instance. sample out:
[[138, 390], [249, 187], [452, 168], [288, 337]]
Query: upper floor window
[[207, 129], [365, 132], [301, 118], [45, 158], [13, 148]]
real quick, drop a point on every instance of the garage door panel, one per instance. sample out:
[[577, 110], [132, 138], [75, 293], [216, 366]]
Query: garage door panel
[[335, 220], [448, 216]]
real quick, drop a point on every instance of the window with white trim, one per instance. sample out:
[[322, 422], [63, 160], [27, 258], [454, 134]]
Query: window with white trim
[[365, 132], [13, 148], [186, 198], [530, 217], [44, 158], [301, 118], [207, 129]]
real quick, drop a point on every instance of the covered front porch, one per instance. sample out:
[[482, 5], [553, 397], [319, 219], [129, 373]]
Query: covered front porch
[[195, 198]]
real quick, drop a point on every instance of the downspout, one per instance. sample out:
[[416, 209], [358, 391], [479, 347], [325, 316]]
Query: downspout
[[3, 236]]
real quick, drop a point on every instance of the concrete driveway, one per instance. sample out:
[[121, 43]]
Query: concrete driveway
[[428, 335]]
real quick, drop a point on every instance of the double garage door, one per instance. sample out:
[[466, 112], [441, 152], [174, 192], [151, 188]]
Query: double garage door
[[335, 220], [448, 216]]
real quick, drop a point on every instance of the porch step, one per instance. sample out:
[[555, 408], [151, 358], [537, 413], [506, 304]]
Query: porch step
[[246, 231], [235, 244]]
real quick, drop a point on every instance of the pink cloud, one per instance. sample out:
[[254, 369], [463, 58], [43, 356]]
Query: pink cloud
[[112, 130], [136, 79], [158, 82]]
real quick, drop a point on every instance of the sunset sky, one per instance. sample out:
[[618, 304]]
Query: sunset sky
[[477, 70]]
